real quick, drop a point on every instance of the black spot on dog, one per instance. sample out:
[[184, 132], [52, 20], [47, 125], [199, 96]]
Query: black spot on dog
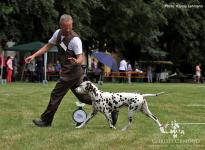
[[110, 104], [115, 102], [136, 107], [130, 119]]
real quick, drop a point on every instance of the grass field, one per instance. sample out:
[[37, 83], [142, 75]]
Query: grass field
[[22, 102]]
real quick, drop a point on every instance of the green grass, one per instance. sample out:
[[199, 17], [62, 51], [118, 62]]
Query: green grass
[[22, 102]]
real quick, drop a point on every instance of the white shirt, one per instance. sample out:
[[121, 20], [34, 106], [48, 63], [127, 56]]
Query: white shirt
[[75, 44], [123, 65]]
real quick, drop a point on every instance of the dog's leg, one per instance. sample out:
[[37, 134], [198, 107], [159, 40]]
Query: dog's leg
[[90, 116], [147, 112], [109, 119], [130, 116]]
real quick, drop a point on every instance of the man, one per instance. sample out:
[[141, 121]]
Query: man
[[70, 57]]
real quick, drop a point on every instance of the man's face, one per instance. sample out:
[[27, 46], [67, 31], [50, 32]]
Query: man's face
[[66, 27]]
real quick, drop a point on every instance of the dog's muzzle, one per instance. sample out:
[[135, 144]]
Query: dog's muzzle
[[80, 90]]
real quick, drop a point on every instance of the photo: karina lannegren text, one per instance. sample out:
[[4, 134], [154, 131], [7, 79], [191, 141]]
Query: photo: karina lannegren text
[[184, 6]]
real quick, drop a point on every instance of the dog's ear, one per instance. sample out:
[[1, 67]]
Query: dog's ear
[[87, 87]]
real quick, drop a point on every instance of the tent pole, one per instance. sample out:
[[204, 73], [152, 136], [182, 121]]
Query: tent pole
[[45, 68]]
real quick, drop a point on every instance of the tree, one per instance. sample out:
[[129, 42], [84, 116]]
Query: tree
[[184, 35], [131, 27], [29, 20]]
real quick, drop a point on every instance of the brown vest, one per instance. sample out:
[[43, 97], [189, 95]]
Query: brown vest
[[69, 70]]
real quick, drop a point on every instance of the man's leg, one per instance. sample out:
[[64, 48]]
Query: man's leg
[[56, 97]]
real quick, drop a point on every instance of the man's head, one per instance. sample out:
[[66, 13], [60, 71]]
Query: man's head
[[66, 24]]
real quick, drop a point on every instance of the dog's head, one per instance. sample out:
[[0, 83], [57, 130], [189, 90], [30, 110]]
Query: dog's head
[[86, 87]]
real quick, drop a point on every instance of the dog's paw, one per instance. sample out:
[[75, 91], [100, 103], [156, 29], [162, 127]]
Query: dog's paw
[[112, 127]]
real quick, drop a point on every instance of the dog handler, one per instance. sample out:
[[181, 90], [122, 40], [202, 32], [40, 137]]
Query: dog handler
[[70, 56]]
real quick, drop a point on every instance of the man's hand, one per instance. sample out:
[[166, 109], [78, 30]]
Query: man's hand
[[73, 60], [41, 51], [77, 60], [29, 59]]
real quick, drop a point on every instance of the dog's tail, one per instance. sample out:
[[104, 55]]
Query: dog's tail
[[147, 95]]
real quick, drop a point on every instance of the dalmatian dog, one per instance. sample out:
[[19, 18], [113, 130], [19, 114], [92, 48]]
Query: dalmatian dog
[[107, 102]]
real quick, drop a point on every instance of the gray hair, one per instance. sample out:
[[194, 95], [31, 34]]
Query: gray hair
[[66, 17]]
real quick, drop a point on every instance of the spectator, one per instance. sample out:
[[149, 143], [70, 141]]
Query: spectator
[[149, 74], [15, 68], [85, 76], [39, 69], [122, 69], [129, 69], [95, 70], [198, 73], [9, 68], [31, 70], [158, 73], [58, 67]]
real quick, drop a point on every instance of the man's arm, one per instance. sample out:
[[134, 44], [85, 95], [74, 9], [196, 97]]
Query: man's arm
[[78, 60], [41, 51]]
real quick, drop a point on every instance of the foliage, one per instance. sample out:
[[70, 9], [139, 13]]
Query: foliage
[[144, 28], [29, 20], [184, 34]]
